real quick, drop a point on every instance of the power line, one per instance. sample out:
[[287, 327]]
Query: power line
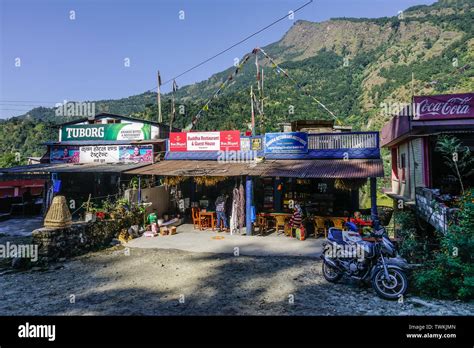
[[230, 47], [186, 71], [27, 101]]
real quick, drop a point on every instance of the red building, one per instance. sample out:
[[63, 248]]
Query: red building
[[16, 188], [420, 172]]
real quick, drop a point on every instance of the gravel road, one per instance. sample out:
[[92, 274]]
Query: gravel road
[[172, 282]]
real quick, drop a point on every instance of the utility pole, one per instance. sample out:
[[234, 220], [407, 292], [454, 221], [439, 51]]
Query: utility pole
[[262, 93], [173, 107], [158, 95], [252, 111], [413, 106]]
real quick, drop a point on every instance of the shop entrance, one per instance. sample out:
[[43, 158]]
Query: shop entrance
[[196, 198]]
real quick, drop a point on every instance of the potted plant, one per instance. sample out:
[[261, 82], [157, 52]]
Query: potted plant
[[90, 215]]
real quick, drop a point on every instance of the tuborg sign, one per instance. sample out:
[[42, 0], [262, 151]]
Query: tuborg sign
[[113, 131], [291, 142]]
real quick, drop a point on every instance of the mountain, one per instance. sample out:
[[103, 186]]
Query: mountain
[[351, 65]]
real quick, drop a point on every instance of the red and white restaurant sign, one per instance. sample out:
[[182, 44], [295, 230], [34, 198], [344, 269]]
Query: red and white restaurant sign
[[205, 141], [448, 106]]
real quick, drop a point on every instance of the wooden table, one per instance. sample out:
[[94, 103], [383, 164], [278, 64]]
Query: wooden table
[[273, 215], [208, 214]]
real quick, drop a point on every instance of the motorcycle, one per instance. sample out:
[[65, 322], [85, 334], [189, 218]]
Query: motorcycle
[[346, 253]]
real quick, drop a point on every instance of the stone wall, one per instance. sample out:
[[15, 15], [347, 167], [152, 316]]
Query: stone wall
[[81, 237], [436, 214]]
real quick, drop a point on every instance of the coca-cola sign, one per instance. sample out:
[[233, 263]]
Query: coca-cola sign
[[448, 106]]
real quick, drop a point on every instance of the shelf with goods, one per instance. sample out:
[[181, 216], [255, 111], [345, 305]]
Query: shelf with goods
[[297, 191], [299, 197], [320, 204], [316, 197], [268, 194]]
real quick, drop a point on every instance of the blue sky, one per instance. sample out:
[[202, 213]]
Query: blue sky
[[83, 59]]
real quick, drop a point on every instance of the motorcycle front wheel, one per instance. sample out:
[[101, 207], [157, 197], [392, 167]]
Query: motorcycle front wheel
[[392, 288], [330, 273]]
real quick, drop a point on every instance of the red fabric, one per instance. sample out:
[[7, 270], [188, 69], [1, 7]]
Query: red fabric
[[296, 219], [361, 222]]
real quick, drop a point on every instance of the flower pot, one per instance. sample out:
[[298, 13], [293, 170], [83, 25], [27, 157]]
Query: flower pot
[[90, 217]]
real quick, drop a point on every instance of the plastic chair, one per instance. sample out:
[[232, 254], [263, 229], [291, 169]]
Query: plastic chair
[[280, 222], [204, 222], [196, 217], [261, 224], [339, 223], [320, 226]]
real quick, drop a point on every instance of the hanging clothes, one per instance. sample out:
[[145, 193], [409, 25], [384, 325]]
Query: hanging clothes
[[241, 207], [235, 211]]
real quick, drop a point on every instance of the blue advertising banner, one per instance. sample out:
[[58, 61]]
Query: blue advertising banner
[[290, 142]]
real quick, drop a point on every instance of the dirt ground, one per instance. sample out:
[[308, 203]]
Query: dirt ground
[[172, 282]]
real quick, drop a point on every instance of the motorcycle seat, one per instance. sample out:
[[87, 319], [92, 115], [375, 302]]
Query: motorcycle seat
[[335, 235]]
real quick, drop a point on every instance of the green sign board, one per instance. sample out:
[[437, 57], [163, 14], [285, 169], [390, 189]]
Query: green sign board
[[113, 131]]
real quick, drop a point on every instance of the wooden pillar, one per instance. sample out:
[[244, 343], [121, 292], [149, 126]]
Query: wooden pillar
[[139, 194], [248, 204], [373, 202], [192, 184], [277, 203], [355, 199]]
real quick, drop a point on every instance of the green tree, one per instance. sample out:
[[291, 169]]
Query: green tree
[[457, 157], [8, 160], [451, 273]]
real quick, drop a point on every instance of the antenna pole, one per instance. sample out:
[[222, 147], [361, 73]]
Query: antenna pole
[[158, 96]]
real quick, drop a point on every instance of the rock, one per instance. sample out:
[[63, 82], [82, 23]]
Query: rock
[[422, 302], [114, 242], [19, 262]]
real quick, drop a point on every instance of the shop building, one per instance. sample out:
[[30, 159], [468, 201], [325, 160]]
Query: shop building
[[92, 154], [421, 177], [321, 171]]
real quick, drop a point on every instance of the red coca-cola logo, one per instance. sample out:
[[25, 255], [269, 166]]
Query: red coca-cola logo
[[446, 106]]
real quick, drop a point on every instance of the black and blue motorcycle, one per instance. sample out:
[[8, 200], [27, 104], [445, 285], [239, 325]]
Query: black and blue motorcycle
[[346, 253]]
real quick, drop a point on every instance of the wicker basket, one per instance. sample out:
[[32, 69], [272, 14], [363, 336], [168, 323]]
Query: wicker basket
[[58, 214]]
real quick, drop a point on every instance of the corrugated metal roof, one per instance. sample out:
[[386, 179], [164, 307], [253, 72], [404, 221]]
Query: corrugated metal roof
[[196, 168], [72, 168], [363, 153], [284, 168], [210, 155], [330, 169]]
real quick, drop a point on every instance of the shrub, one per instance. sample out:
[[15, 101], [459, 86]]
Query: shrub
[[450, 274], [414, 246]]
